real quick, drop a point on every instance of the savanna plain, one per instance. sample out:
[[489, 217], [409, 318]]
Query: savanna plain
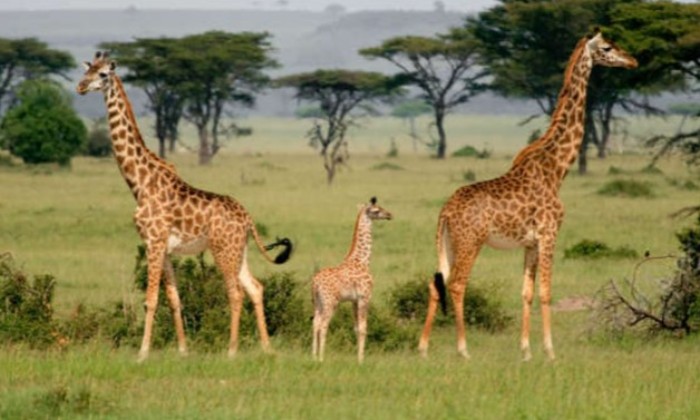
[[76, 224]]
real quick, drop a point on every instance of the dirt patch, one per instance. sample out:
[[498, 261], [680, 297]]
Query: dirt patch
[[573, 303]]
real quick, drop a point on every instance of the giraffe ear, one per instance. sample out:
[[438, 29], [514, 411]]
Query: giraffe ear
[[112, 65], [86, 65]]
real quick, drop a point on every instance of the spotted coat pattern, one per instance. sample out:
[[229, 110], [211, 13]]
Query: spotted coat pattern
[[173, 217], [349, 281], [521, 208]]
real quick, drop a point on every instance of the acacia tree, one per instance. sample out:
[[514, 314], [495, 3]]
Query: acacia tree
[[25, 59], [338, 93], [148, 62], [221, 68], [409, 111], [442, 67], [526, 45]]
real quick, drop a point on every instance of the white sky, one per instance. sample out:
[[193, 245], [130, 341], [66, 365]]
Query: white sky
[[350, 5]]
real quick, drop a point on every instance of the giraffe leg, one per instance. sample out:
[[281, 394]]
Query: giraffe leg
[[546, 255], [255, 290], [316, 332], [156, 254], [175, 305], [326, 316], [527, 294], [362, 308], [230, 269], [430, 317], [457, 290]]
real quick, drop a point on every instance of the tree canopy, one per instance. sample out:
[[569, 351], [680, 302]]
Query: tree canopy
[[526, 44], [147, 60], [338, 93], [28, 58], [443, 68]]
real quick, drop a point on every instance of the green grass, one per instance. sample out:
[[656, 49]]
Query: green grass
[[77, 225]]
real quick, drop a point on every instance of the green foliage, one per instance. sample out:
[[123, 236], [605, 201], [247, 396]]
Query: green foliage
[[468, 175], [43, 127], [27, 59], [592, 249], [685, 109], [626, 188], [99, 141], [338, 93], [442, 67], [26, 315], [471, 151], [482, 308], [61, 400], [386, 166], [309, 112], [411, 109]]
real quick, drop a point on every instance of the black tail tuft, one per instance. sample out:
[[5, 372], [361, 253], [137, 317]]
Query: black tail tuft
[[283, 256], [439, 283]]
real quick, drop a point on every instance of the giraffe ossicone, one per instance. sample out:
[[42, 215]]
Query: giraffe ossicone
[[172, 217], [521, 208]]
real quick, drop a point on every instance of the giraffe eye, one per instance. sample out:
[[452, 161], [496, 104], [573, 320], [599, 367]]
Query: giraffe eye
[[103, 75], [607, 49]]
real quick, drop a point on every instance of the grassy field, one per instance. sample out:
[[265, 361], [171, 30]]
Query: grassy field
[[76, 224]]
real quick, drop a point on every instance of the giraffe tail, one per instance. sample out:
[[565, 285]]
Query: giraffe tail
[[282, 257], [444, 256], [439, 284]]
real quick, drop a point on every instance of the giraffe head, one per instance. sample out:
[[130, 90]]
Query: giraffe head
[[97, 75], [606, 53], [375, 212]]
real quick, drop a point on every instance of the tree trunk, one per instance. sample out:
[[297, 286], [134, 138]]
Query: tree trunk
[[172, 140], [161, 147], [582, 159], [442, 140], [204, 146]]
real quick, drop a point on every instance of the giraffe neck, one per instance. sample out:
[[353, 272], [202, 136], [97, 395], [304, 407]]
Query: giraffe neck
[[361, 247], [557, 149], [136, 162]]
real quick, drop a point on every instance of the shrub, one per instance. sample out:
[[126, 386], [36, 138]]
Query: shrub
[[386, 166], [469, 175], [471, 151], [588, 248], [674, 306], [26, 314], [626, 188], [205, 304], [99, 142], [43, 127], [409, 301]]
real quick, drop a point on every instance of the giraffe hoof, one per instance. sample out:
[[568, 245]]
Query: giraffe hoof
[[142, 357], [231, 353], [464, 354]]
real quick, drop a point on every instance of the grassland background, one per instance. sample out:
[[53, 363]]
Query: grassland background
[[76, 224]]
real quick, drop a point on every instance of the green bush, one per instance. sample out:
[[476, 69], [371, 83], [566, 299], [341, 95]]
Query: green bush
[[469, 175], [26, 315], [626, 188], [43, 127], [482, 308], [99, 141], [386, 166], [588, 248], [471, 151]]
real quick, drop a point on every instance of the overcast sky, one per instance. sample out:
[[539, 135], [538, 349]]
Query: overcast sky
[[350, 5]]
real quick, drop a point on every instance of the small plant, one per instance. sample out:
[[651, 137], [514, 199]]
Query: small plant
[[468, 175], [614, 170], [26, 314], [592, 249], [626, 188], [471, 151], [387, 166], [393, 149]]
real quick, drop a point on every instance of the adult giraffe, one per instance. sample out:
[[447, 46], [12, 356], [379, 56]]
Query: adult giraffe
[[521, 208], [173, 217]]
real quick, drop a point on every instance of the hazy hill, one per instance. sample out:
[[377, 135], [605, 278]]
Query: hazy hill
[[304, 41]]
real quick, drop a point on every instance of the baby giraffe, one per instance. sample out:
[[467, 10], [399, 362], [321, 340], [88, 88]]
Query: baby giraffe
[[351, 280]]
